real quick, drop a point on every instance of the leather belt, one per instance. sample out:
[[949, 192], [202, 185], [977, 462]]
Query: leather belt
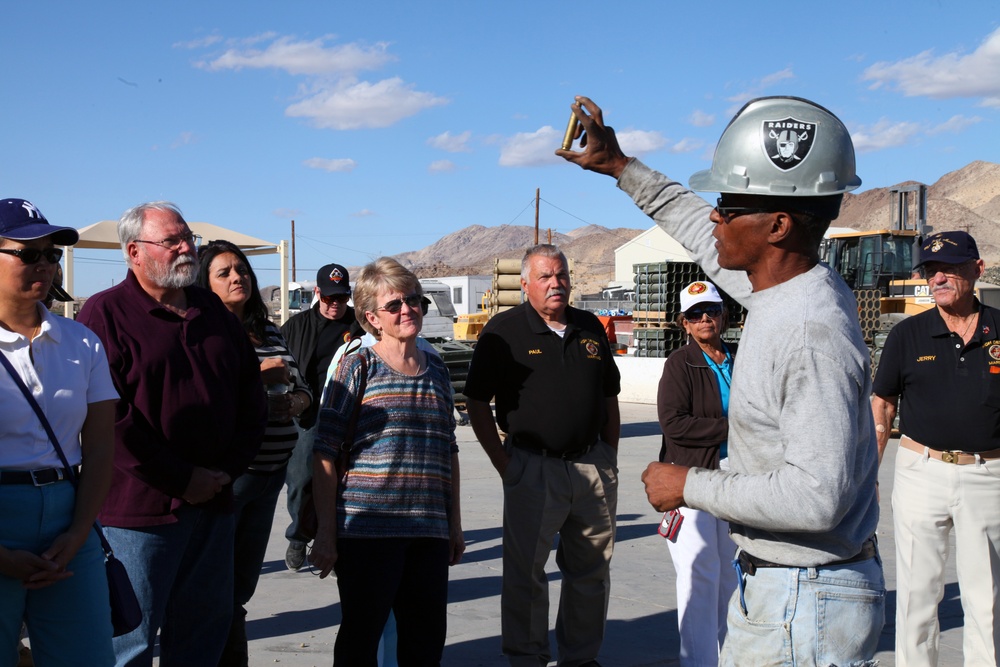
[[749, 563], [40, 477], [552, 454], [955, 456]]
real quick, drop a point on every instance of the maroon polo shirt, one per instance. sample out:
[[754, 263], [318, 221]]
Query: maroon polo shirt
[[191, 395]]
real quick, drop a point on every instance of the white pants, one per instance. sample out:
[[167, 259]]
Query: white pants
[[702, 556], [929, 499]]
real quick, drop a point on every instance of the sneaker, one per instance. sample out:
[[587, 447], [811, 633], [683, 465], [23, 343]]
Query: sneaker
[[295, 556]]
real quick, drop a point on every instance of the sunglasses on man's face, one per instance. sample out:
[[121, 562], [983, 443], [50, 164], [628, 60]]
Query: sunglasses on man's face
[[33, 255], [335, 298], [694, 314], [414, 301]]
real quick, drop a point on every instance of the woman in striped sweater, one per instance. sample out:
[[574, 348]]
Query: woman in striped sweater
[[388, 500], [225, 270]]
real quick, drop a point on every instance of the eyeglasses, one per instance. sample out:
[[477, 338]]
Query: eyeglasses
[[694, 314], [335, 298], [727, 213], [33, 255], [414, 301], [928, 271], [174, 242]]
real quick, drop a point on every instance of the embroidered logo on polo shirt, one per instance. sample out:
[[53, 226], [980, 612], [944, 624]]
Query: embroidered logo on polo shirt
[[994, 351], [592, 348], [929, 357], [535, 351]]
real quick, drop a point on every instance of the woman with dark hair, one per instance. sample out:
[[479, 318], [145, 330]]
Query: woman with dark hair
[[388, 498], [225, 270]]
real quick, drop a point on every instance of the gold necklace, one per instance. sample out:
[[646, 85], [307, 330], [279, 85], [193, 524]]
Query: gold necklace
[[975, 316]]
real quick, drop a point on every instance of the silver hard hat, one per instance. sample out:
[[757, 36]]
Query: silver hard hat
[[781, 146]]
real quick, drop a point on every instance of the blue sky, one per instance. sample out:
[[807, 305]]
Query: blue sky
[[381, 126]]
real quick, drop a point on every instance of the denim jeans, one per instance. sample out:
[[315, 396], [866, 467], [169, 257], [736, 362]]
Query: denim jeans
[[69, 622], [254, 497], [299, 471], [183, 576], [807, 616]]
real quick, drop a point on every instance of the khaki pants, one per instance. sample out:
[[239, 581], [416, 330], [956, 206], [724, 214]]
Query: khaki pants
[[576, 499]]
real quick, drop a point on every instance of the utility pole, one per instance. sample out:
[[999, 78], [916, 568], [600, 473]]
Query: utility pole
[[537, 195], [294, 279]]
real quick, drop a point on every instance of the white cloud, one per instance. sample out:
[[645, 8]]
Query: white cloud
[[305, 57], [884, 134], [326, 164], [286, 213], [363, 213], [974, 75], [955, 124], [351, 105], [440, 166], [184, 139], [331, 96], [450, 143], [531, 149], [200, 43], [757, 88], [687, 145], [639, 142], [699, 118]]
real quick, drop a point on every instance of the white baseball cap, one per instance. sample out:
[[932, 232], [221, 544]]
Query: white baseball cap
[[699, 292]]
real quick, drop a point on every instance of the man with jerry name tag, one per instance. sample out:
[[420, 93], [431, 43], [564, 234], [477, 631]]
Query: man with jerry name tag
[[941, 370]]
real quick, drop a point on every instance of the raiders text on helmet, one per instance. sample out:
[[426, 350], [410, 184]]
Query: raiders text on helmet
[[782, 146]]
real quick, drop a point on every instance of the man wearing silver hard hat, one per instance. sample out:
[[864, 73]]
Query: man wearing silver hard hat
[[800, 496], [941, 369]]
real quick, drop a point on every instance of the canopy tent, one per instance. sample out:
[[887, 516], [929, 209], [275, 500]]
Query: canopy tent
[[104, 236]]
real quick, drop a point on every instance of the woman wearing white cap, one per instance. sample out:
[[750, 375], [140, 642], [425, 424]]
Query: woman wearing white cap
[[51, 563], [692, 404]]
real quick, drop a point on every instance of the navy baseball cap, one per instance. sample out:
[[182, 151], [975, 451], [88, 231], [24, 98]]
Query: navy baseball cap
[[21, 220], [948, 248], [333, 279]]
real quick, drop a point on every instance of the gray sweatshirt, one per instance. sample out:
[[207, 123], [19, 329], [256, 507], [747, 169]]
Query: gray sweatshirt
[[802, 449]]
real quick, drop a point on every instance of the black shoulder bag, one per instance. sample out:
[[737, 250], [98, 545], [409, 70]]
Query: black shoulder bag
[[126, 615]]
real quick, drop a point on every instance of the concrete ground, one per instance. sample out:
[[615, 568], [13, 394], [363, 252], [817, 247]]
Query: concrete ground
[[294, 616]]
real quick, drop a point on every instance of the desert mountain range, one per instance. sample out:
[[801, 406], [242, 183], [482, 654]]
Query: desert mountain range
[[966, 199]]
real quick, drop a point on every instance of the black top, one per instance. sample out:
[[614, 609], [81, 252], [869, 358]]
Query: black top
[[949, 392], [313, 340], [550, 391]]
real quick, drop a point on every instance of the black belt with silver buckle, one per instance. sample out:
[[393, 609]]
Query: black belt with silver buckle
[[40, 477], [552, 454], [749, 564]]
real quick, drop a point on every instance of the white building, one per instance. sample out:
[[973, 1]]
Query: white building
[[467, 292], [653, 245]]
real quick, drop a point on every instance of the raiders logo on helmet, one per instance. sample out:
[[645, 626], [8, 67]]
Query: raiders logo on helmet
[[787, 142]]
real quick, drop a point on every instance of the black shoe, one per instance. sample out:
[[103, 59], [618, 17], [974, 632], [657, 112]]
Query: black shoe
[[295, 556]]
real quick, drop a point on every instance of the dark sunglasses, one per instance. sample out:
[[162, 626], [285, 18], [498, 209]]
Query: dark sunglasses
[[335, 298], [414, 301], [695, 314], [32, 255], [727, 213]]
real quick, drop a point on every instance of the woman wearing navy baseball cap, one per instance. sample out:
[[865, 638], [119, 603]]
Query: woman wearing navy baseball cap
[[52, 574]]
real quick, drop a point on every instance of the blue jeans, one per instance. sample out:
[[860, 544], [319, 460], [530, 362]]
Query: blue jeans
[[183, 576], [807, 616], [254, 497], [69, 622], [299, 471]]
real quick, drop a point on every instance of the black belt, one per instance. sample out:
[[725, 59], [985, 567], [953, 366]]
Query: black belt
[[749, 564], [39, 477], [552, 454]]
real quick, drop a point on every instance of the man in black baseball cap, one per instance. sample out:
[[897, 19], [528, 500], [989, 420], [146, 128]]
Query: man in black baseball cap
[[940, 370], [313, 338]]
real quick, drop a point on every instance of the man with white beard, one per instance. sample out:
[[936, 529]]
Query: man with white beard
[[190, 418]]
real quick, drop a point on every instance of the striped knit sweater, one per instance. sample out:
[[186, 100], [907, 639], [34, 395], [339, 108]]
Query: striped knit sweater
[[398, 479], [279, 437]]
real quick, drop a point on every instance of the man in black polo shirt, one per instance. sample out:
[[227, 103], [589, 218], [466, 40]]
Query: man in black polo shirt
[[313, 338], [945, 366], [550, 369]]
